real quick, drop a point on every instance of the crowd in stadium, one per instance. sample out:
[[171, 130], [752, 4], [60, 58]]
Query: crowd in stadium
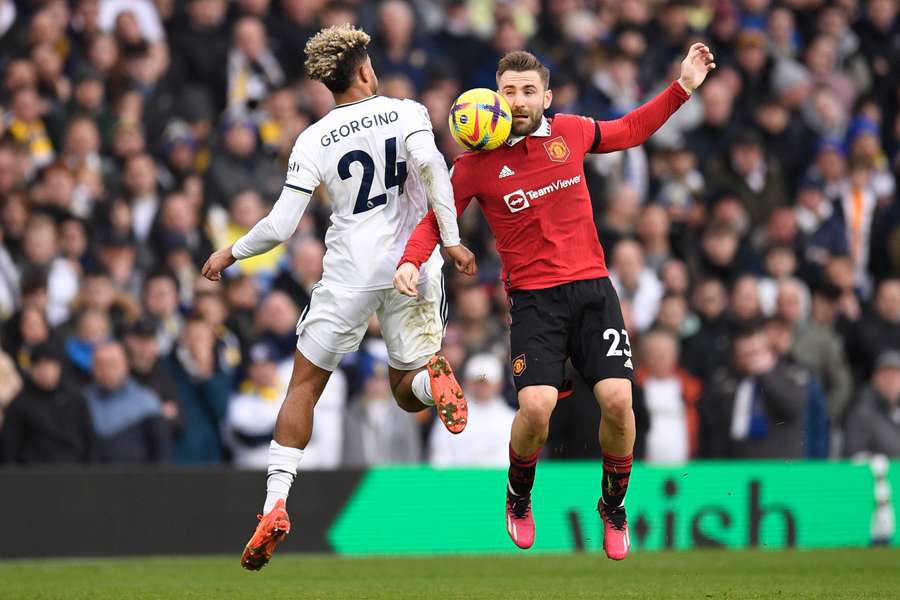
[[754, 241]]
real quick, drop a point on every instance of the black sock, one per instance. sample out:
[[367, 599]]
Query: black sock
[[616, 472], [521, 472]]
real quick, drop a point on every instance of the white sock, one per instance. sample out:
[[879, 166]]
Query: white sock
[[283, 463], [421, 388]]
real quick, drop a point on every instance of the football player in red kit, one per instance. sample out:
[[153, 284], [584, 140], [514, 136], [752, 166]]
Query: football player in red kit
[[562, 305]]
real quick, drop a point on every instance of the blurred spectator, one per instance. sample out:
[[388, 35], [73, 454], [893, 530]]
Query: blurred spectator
[[817, 344], [876, 332], [780, 264], [126, 416], [203, 388], [636, 282], [242, 299], [252, 409], [745, 307], [376, 431], [303, 272], [41, 251], [297, 23], [755, 408], [48, 421], [199, 48], [816, 423], [397, 50], [670, 396], [746, 171], [161, 305], [618, 221], [211, 308], [653, 233], [821, 225], [708, 350], [858, 206], [719, 252], [276, 322], [98, 293], [873, 423], [484, 441], [117, 256], [473, 310], [179, 223], [148, 369], [709, 139], [253, 71], [24, 125], [92, 329], [239, 166]]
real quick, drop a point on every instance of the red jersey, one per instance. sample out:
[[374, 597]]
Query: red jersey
[[533, 194]]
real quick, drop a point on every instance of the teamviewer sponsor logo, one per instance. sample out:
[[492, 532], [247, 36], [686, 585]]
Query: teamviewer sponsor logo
[[519, 199], [516, 201]]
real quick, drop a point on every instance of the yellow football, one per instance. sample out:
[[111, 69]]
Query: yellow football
[[480, 119]]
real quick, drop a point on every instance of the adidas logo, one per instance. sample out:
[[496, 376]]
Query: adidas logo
[[629, 365], [506, 172]]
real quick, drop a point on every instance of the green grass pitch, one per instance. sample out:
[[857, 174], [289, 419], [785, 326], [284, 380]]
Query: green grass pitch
[[859, 573]]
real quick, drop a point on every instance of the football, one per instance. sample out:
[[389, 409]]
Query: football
[[480, 119]]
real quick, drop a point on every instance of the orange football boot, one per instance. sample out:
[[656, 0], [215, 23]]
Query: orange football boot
[[271, 529], [449, 400]]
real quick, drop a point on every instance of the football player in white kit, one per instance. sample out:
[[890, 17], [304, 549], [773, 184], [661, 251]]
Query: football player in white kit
[[378, 160]]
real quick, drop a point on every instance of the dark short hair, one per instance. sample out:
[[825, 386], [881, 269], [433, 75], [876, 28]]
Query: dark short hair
[[521, 61]]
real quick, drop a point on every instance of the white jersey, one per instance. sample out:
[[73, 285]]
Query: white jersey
[[359, 152]]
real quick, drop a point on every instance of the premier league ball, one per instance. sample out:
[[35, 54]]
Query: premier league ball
[[480, 119]]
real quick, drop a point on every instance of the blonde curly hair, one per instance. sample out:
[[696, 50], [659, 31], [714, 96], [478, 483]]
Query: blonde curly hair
[[334, 53]]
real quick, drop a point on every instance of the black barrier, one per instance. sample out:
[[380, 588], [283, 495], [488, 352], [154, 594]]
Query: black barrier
[[166, 511]]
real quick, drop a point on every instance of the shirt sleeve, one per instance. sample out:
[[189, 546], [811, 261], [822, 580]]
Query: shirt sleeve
[[415, 119], [637, 126], [425, 237], [432, 169]]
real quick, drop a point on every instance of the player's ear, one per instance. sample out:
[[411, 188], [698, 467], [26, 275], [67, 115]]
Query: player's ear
[[365, 72], [548, 98]]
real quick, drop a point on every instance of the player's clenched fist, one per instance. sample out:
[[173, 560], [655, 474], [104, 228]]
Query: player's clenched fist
[[406, 279], [464, 259]]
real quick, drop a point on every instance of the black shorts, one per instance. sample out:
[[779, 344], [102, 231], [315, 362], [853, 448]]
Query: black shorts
[[581, 320]]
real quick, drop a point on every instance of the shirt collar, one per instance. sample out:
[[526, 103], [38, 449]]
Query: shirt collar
[[543, 130]]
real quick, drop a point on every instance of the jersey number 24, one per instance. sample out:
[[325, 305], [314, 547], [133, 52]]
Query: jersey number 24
[[394, 175]]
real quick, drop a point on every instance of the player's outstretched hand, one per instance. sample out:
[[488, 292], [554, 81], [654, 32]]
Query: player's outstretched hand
[[464, 259], [217, 262], [406, 279], [698, 62]]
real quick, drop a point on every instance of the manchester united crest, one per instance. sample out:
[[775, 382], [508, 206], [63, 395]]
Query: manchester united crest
[[518, 365], [557, 149]]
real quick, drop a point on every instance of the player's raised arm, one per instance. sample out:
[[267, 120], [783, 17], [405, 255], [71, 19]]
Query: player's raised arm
[[638, 125]]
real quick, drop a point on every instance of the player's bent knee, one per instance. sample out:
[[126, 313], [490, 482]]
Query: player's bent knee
[[536, 406], [614, 398]]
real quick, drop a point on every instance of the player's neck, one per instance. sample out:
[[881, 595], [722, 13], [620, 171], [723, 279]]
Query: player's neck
[[353, 94]]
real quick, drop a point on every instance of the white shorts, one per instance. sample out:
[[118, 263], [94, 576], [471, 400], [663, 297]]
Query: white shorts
[[336, 320]]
